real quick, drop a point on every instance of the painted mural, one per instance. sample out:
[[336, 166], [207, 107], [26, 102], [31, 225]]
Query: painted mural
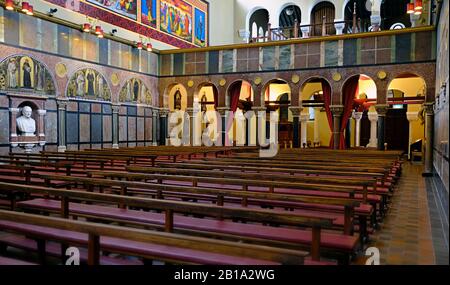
[[151, 18], [23, 73], [200, 28], [88, 84], [176, 18], [126, 8], [148, 12], [135, 91]]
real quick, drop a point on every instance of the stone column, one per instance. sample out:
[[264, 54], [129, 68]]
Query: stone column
[[296, 111], [223, 131], [357, 116], [429, 133], [316, 127], [337, 111], [163, 127], [414, 18], [41, 129], [62, 107], [154, 127], [339, 27], [115, 126], [259, 130], [412, 117], [13, 126], [304, 130], [381, 110], [188, 135], [375, 21], [373, 118]]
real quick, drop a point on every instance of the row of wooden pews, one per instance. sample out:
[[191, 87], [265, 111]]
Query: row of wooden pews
[[320, 206]]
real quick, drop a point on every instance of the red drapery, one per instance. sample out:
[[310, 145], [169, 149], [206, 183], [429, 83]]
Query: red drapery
[[350, 90], [235, 93], [326, 89]]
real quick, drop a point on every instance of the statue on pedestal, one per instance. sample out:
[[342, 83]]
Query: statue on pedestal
[[25, 124]]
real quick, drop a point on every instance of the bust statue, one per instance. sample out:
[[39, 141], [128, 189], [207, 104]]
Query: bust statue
[[25, 124]]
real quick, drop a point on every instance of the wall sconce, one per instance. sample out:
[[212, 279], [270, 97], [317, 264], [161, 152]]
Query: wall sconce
[[9, 5]]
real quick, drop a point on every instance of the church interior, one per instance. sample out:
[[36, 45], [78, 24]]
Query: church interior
[[224, 132]]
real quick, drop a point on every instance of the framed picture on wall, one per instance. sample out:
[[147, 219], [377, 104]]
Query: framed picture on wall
[[149, 10], [200, 28], [176, 18], [126, 8]]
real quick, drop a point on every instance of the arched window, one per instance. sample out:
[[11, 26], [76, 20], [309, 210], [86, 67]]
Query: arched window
[[363, 12], [260, 19], [288, 17], [323, 10]]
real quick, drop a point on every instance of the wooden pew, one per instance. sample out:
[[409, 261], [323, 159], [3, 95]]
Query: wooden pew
[[169, 207], [148, 244]]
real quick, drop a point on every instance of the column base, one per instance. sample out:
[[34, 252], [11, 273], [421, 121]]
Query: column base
[[154, 144], [62, 148], [373, 144], [115, 146]]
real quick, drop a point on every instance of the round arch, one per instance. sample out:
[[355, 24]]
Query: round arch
[[95, 87], [40, 73]]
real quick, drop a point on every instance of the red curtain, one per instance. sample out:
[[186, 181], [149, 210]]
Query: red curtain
[[235, 93], [350, 91], [326, 89]]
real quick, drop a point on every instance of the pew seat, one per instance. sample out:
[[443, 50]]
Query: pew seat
[[329, 240], [54, 249], [12, 261], [128, 247]]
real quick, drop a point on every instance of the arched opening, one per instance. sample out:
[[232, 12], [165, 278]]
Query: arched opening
[[26, 74], [405, 117], [394, 12], [290, 15], [323, 11], [240, 98], [363, 13], [315, 128], [178, 125], [259, 20], [277, 98], [361, 131], [205, 105]]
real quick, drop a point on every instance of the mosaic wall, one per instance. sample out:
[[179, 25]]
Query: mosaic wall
[[169, 21], [18, 29], [376, 50]]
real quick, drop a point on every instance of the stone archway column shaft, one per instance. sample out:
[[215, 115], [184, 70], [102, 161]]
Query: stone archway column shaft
[[337, 111], [382, 111], [429, 133], [357, 116], [115, 126], [62, 107]]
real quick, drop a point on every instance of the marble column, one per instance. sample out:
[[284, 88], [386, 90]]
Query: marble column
[[154, 127], [40, 132], [163, 127], [223, 127], [316, 140], [62, 107], [259, 118], [304, 130], [412, 117], [429, 133], [296, 111], [13, 125], [357, 116], [373, 118], [115, 126], [188, 128], [337, 111], [382, 111]]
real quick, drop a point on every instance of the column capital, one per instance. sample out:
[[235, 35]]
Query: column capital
[[14, 110], [337, 110], [222, 110], [412, 116], [373, 116], [296, 110], [190, 111], [304, 117], [429, 108], [62, 103], [115, 108], [163, 112], [382, 109], [357, 115], [42, 112]]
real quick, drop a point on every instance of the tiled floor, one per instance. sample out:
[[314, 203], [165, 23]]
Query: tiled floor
[[405, 236]]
